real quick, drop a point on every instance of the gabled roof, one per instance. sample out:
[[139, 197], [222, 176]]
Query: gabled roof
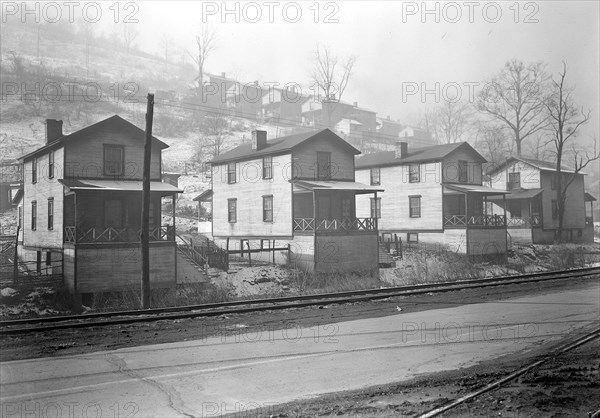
[[114, 121], [281, 145], [205, 196], [539, 164], [416, 155]]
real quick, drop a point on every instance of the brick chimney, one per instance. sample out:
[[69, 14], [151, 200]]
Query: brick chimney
[[53, 130], [355, 104], [223, 74], [401, 149], [259, 140]]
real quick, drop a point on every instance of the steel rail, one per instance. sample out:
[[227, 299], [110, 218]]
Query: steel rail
[[561, 350], [254, 305]]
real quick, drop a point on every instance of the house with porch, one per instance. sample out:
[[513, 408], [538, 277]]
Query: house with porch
[[433, 195], [81, 208], [531, 205], [298, 190]]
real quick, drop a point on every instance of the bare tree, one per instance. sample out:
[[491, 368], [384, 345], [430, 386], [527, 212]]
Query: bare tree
[[450, 121], [516, 99], [565, 120], [492, 143], [205, 44], [129, 34], [330, 77], [215, 130]]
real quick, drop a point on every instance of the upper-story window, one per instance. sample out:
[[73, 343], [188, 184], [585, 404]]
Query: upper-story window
[[323, 165], [414, 173], [231, 173], [114, 160], [375, 176], [51, 213], [267, 167], [34, 165], [514, 181], [232, 210], [51, 165], [554, 209], [463, 171], [553, 181]]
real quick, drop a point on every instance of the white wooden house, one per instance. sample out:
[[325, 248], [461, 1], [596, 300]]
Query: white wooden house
[[532, 214], [433, 195], [81, 208], [298, 190]]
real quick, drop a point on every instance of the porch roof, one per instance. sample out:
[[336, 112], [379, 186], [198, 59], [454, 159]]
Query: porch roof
[[205, 196], [588, 197], [521, 194], [332, 185], [475, 189], [119, 185]]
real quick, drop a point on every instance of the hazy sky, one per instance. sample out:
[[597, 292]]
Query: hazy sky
[[397, 43]]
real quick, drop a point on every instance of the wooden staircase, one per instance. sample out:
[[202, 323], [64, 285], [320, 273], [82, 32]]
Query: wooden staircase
[[385, 259]]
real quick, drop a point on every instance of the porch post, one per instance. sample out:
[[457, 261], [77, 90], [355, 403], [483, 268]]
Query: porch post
[[315, 209], [504, 206], [466, 210], [376, 219], [174, 202]]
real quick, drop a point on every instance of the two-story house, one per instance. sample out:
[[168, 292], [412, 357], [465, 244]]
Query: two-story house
[[81, 207], [433, 195], [298, 190], [532, 203]]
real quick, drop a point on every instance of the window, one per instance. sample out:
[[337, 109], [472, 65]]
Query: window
[[412, 237], [376, 207], [323, 165], [553, 181], [20, 216], [375, 176], [414, 203], [51, 213], [554, 209], [463, 171], [231, 173], [232, 210], [48, 258], [268, 167], [515, 209], [514, 181], [34, 164], [33, 215], [267, 208], [51, 165], [414, 173], [114, 160]]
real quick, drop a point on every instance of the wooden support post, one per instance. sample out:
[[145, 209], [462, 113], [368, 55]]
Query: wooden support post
[[396, 242], [273, 251], [145, 238], [249, 254], [400, 246], [16, 255], [289, 254], [242, 248]]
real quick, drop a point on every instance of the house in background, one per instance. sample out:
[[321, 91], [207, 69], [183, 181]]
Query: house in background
[[11, 183], [283, 105], [416, 137], [298, 190], [204, 200], [82, 207], [433, 195], [531, 205]]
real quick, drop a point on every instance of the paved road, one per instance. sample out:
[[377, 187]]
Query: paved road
[[240, 372]]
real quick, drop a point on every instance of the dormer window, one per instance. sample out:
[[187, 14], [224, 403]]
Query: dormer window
[[114, 160]]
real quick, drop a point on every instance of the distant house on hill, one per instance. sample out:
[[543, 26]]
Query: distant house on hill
[[81, 208]]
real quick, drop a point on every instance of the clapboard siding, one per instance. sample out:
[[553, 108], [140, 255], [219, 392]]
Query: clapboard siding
[[451, 167], [530, 176], [85, 156], [40, 192], [249, 190], [574, 216], [304, 160], [395, 213], [107, 268]]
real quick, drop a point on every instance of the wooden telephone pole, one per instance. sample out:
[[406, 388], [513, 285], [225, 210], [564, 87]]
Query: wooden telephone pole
[[145, 237]]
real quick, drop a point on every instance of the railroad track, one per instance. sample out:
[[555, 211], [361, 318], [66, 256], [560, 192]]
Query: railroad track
[[32, 325], [497, 383]]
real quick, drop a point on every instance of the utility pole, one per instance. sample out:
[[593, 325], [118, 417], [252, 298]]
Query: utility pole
[[145, 238], [16, 254]]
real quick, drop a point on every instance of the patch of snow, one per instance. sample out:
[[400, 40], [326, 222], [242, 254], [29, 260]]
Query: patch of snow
[[8, 292]]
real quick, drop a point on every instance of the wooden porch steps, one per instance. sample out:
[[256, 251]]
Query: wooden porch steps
[[385, 259]]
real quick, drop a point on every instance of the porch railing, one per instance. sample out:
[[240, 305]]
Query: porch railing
[[116, 235], [533, 221], [485, 221], [332, 225]]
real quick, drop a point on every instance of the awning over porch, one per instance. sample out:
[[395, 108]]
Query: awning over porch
[[205, 196], [310, 185], [588, 197], [165, 189], [473, 189], [520, 194]]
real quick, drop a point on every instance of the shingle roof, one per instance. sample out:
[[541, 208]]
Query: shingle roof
[[416, 155], [115, 121], [280, 145], [539, 164]]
